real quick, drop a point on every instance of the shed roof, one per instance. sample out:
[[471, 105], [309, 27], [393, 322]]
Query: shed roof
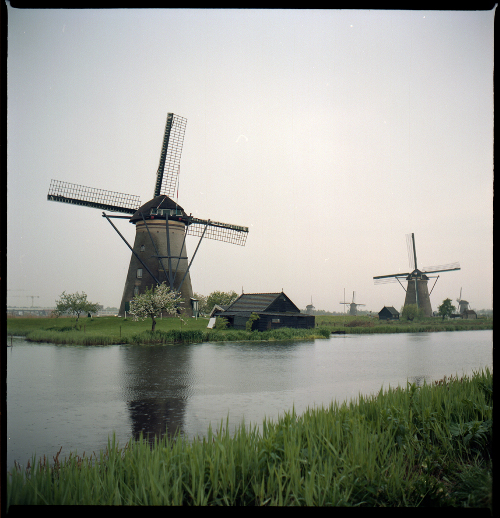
[[217, 308], [258, 302], [391, 310]]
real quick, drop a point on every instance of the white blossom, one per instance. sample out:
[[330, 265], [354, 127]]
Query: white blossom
[[155, 301]]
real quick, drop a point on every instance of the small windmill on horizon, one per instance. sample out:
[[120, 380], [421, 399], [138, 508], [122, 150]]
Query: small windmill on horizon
[[159, 250], [353, 306], [416, 290], [463, 305]]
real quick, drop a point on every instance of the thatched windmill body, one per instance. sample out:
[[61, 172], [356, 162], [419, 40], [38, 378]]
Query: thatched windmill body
[[159, 251], [417, 291], [463, 305]]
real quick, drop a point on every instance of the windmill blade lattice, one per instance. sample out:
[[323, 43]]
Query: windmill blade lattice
[[75, 194], [170, 157], [442, 268], [411, 251], [219, 231]]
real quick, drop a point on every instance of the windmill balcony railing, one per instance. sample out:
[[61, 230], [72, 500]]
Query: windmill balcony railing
[[165, 212]]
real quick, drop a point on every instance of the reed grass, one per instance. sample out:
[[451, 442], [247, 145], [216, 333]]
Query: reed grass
[[147, 337], [405, 446]]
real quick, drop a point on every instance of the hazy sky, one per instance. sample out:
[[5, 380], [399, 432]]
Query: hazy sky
[[330, 134]]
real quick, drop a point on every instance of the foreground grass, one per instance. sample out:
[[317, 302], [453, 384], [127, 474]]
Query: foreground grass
[[427, 446]]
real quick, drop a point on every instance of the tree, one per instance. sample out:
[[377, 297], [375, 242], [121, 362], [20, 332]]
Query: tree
[[75, 304], [153, 302], [220, 298], [411, 312], [446, 309]]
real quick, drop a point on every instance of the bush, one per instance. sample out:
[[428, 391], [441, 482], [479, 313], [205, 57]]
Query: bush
[[221, 323], [253, 318]]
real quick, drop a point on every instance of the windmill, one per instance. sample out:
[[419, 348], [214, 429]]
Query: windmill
[[463, 305], [416, 290], [353, 310], [159, 250], [310, 308]]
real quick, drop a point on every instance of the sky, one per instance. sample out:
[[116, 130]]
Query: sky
[[331, 134]]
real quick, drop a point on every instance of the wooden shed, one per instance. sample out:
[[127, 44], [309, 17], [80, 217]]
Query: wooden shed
[[388, 313], [469, 313], [274, 310]]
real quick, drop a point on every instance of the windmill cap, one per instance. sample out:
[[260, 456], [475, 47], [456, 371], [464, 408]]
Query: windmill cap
[[158, 202]]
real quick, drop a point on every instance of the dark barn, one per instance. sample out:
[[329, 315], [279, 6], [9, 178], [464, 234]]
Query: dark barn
[[388, 313], [274, 309]]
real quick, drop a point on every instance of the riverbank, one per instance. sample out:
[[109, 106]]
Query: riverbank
[[113, 330], [409, 446]]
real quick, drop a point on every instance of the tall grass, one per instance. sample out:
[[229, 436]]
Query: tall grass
[[407, 446], [73, 337]]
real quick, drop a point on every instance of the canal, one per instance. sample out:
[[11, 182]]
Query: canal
[[74, 397]]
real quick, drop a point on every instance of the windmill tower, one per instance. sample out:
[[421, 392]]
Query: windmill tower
[[353, 306], [310, 308], [463, 305], [416, 290], [159, 251]]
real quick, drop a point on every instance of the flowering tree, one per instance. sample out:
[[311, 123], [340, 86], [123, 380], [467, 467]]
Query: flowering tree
[[75, 304], [155, 301]]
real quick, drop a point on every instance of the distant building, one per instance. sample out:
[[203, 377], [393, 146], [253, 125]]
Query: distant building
[[469, 313], [388, 313], [29, 312], [275, 310], [310, 309]]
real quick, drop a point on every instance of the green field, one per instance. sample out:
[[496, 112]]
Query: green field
[[405, 447], [114, 330]]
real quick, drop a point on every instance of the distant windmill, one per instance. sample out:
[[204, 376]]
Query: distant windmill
[[416, 290], [159, 251], [353, 310], [463, 305]]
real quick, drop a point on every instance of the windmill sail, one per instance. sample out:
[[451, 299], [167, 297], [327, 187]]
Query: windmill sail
[[170, 156], [219, 231], [91, 197], [442, 268]]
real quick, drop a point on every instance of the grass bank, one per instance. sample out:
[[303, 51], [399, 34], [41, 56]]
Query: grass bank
[[410, 446], [113, 330], [365, 324]]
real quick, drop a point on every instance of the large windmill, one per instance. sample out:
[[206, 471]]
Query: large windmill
[[353, 306], [159, 251], [416, 290]]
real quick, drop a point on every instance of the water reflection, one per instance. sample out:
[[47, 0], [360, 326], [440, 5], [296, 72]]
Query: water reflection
[[156, 387]]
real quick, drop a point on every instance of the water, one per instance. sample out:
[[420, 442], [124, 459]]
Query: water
[[75, 397]]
